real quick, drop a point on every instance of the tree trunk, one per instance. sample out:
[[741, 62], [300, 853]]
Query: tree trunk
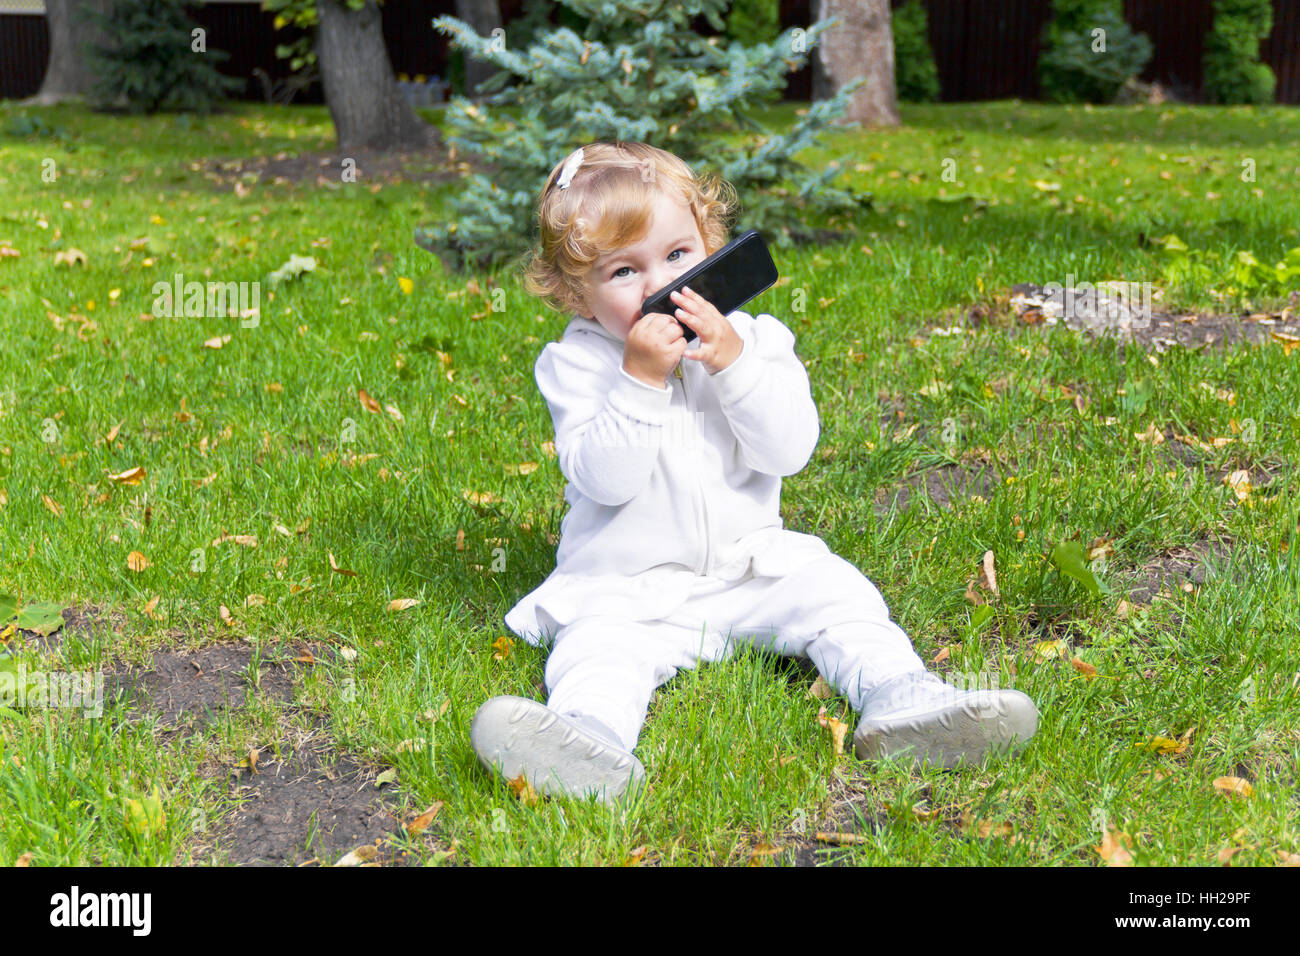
[[69, 74], [862, 44], [365, 104], [821, 84], [484, 16]]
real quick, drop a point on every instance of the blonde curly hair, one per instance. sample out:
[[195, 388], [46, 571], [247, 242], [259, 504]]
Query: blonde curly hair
[[606, 207]]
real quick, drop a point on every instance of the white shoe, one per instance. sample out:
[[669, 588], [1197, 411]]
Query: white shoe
[[556, 754], [920, 716]]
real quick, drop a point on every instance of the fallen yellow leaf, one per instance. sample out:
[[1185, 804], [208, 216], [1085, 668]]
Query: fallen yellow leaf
[[1050, 650], [1233, 786], [368, 403], [1084, 668], [838, 728], [334, 566], [503, 646], [1114, 848], [132, 476], [70, 257], [522, 789], [1239, 482], [421, 823], [988, 576], [137, 562], [1163, 745], [402, 604], [820, 689], [361, 856], [1152, 434], [1288, 342], [984, 828]]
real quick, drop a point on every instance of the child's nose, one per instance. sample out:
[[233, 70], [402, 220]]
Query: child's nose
[[656, 279]]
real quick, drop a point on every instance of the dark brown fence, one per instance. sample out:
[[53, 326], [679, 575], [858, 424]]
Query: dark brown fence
[[984, 49]]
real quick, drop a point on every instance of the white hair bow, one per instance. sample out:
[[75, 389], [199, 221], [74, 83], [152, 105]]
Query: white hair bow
[[570, 167]]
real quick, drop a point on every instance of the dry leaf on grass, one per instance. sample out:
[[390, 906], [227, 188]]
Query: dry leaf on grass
[[758, 856], [1153, 435], [1239, 482], [522, 789], [361, 856], [334, 566], [1084, 668], [637, 856], [838, 728], [1115, 848], [1051, 650], [1233, 786], [402, 604], [820, 689], [247, 540], [421, 823], [132, 476], [988, 576], [1162, 745], [982, 828], [368, 403], [137, 562]]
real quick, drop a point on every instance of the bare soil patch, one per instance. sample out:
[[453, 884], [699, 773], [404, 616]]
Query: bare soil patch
[[1177, 567], [943, 486], [1032, 305], [315, 804], [185, 687], [325, 169]]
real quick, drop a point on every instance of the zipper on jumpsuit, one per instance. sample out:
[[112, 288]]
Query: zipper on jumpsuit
[[706, 565]]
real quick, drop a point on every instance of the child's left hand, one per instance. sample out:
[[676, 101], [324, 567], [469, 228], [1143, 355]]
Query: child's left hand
[[717, 345]]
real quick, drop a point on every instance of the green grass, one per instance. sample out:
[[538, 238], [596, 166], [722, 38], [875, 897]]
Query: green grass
[[733, 750]]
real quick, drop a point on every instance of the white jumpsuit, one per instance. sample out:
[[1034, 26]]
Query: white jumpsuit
[[673, 549]]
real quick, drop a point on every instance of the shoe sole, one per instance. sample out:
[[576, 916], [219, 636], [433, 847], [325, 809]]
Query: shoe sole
[[515, 735], [963, 732]]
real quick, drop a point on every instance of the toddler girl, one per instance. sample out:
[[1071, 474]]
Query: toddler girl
[[673, 549]]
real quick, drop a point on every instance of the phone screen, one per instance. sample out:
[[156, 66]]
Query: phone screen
[[728, 279]]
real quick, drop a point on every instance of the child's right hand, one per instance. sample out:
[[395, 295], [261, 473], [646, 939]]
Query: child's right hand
[[654, 345]]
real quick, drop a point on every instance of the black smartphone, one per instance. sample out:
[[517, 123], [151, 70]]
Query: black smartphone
[[728, 279]]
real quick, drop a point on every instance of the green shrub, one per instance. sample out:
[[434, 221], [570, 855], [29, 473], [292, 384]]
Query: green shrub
[[1089, 52], [1233, 71], [151, 62], [754, 21], [915, 74]]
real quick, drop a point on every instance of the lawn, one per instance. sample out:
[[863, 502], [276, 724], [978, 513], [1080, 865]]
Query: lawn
[[372, 434]]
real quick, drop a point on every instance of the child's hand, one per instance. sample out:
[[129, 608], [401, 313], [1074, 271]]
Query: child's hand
[[655, 344], [718, 345]]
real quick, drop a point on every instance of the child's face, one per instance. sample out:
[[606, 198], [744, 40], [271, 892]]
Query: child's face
[[620, 281]]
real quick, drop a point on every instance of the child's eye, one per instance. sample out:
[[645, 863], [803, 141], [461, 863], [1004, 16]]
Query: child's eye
[[670, 257]]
